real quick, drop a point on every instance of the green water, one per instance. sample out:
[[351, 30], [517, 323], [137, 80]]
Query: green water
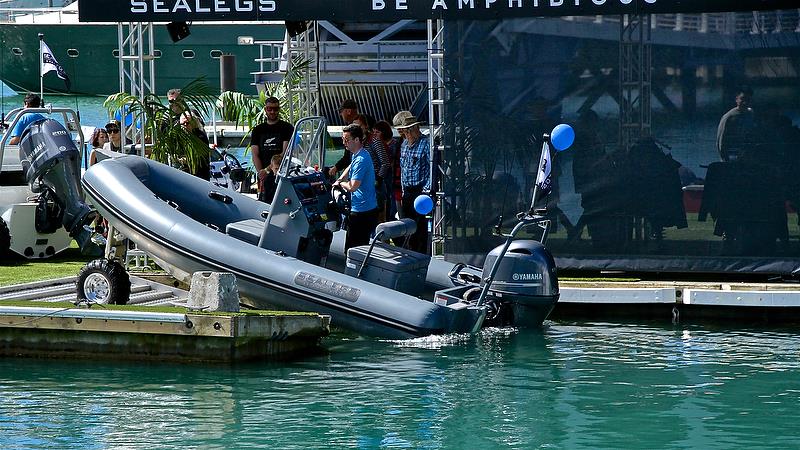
[[570, 386]]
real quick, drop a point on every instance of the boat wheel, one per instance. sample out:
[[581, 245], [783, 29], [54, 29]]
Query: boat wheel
[[5, 239], [104, 281]]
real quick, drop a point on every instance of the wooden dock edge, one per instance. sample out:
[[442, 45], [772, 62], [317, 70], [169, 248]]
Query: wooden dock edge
[[78, 332]]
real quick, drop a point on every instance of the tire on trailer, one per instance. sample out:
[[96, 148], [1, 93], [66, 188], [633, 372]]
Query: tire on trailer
[[104, 281]]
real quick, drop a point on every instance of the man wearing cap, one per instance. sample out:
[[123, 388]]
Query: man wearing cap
[[414, 175], [361, 185], [30, 101], [269, 139]]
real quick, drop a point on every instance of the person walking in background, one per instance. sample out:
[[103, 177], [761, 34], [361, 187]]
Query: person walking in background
[[269, 139], [98, 140], [415, 176], [30, 101], [361, 186], [390, 181], [737, 127]]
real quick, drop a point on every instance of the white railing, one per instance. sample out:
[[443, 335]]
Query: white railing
[[756, 22]]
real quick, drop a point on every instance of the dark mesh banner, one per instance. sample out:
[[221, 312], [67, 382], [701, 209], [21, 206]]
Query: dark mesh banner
[[715, 186]]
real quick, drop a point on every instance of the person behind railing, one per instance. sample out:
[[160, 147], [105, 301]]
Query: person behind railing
[[98, 140], [194, 125], [30, 101], [270, 184], [115, 138], [390, 182], [737, 127], [380, 161], [414, 175], [360, 183], [348, 111], [269, 138]]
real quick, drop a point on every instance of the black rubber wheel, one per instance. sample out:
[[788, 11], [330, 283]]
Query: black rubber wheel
[[104, 281], [5, 240]]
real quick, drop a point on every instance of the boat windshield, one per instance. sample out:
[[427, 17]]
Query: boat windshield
[[307, 148]]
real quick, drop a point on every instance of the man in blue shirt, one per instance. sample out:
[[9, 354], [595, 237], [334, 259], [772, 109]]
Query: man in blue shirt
[[361, 185], [31, 101], [415, 174]]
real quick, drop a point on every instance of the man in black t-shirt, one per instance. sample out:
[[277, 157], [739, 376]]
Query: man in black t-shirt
[[270, 138]]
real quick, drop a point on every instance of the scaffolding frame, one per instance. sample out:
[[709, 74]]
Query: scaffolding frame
[[137, 72], [635, 79], [436, 103], [301, 57]]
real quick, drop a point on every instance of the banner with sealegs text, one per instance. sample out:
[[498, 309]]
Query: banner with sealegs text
[[391, 10]]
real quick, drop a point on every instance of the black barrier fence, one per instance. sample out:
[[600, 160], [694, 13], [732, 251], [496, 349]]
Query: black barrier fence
[[714, 189]]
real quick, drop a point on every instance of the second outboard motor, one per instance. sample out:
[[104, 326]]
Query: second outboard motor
[[525, 282], [50, 162]]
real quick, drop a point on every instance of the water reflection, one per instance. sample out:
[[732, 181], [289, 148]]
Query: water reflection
[[569, 385]]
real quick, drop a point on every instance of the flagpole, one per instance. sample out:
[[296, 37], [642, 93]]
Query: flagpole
[[41, 62], [545, 151]]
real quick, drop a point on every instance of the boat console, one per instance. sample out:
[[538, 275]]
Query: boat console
[[303, 215]]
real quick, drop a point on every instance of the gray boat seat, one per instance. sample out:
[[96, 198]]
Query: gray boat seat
[[395, 229], [393, 267], [248, 230]]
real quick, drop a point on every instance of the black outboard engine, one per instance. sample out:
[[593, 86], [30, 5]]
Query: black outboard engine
[[50, 161], [525, 287]]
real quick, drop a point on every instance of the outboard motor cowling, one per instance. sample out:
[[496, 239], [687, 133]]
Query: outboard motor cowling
[[524, 285], [50, 161]]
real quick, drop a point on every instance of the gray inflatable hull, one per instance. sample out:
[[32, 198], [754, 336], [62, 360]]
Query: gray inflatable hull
[[169, 215]]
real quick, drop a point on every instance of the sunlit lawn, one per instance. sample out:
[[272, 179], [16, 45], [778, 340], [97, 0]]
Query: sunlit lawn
[[20, 270]]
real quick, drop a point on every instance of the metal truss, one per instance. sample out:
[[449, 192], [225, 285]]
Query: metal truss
[[635, 75], [137, 71], [436, 103], [301, 53]]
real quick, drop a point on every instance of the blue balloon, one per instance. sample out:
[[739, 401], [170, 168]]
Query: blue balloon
[[128, 117], [423, 204], [562, 137]]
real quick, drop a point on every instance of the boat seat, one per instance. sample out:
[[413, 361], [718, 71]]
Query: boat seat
[[248, 230]]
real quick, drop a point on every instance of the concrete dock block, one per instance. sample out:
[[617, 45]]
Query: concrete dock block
[[214, 291]]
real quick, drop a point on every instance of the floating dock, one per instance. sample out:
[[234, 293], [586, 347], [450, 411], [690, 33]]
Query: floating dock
[[680, 301], [38, 320]]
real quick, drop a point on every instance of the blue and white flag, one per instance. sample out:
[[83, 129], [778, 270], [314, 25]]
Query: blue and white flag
[[49, 64], [544, 179]]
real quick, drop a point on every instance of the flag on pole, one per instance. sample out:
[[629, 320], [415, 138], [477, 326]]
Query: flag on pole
[[544, 179], [49, 63]]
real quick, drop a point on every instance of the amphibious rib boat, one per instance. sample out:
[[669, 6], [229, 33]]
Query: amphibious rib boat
[[279, 253]]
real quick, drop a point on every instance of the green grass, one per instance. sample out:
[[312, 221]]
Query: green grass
[[20, 270]]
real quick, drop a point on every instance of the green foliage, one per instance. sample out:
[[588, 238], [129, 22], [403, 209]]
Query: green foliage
[[169, 142], [248, 111]]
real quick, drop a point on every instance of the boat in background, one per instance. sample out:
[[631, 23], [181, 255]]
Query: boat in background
[[88, 51]]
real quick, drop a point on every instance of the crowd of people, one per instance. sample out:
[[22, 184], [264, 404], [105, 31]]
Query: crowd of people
[[383, 174]]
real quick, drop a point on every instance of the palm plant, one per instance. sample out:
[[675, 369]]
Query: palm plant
[[248, 110], [167, 140]]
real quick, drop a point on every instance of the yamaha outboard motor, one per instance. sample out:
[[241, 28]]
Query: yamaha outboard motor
[[525, 287], [50, 162]]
